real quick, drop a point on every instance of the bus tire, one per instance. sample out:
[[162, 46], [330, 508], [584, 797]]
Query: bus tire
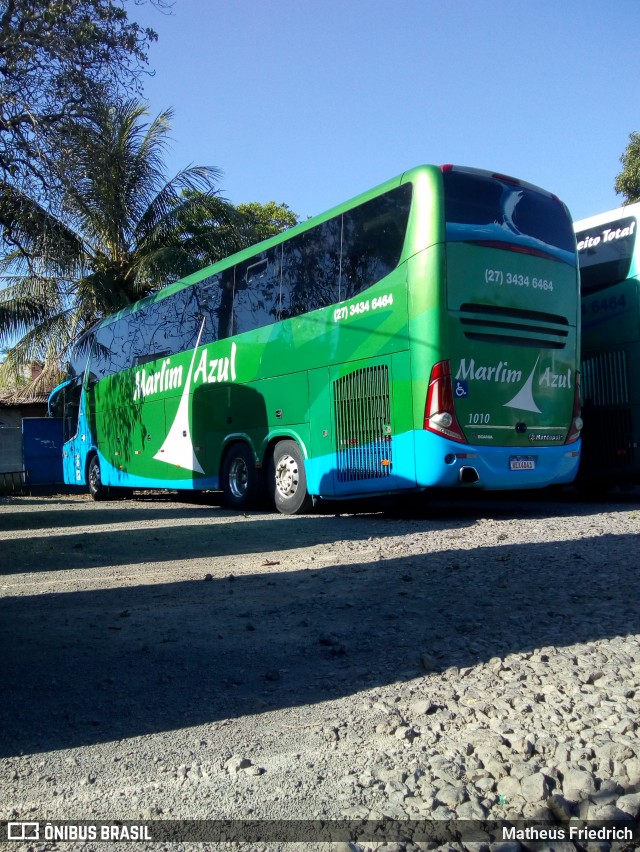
[[287, 479], [97, 490], [239, 477]]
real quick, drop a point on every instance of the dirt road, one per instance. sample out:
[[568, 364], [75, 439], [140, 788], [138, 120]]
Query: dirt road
[[149, 644]]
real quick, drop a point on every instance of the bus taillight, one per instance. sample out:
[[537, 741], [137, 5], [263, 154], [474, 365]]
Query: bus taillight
[[576, 419], [439, 413]]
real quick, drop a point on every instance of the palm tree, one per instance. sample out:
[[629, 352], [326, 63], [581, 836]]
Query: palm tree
[[121, 230]]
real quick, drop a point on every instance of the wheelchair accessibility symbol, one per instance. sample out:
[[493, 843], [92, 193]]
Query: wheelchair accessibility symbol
[[461, 389]]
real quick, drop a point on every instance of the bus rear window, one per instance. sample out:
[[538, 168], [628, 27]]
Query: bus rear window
[[492, 207], [605, 253]]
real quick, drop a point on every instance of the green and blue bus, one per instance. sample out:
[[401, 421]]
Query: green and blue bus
[[609, 270], [424, 334]]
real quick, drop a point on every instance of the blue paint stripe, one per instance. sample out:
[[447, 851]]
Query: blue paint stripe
[[419, 462]]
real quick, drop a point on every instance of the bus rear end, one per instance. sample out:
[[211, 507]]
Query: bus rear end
[[502, 408], [610, 347]]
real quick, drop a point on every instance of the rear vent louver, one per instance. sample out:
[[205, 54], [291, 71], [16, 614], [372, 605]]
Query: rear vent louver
[[605, 379], [363, 424], [513, 326]]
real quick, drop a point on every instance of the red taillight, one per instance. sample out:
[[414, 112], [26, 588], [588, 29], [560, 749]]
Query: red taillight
[[576, 419], [439, 413]]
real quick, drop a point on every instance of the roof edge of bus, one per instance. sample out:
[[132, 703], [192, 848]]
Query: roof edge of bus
[[492, 173], [631, 209]]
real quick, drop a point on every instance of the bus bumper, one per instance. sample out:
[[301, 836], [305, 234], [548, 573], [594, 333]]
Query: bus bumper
[[444, 463]]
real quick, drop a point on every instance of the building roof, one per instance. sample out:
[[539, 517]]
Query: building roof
[[14, 397]]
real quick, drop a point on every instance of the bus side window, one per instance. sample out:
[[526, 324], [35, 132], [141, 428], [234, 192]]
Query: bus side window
[[310, 269], [167, 327], [184, 321], [112, 350], [256, 300], [372, 239], [224, 310], [208, 295], [79, 356]]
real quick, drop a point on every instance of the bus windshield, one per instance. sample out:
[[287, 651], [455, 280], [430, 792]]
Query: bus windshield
[[496, 209]]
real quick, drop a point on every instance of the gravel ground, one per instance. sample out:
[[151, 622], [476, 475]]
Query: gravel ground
[[466, 660]]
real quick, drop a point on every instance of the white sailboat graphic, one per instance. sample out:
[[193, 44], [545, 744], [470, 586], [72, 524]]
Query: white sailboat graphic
[[177, 448], [524, 398]]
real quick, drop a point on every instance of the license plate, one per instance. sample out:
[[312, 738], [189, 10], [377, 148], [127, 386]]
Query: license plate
[[522, 463]]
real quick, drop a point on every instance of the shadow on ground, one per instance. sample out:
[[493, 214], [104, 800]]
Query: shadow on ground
[[90, 666]]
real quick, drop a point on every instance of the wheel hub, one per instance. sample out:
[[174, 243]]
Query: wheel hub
[[238, 478], [287, 478]]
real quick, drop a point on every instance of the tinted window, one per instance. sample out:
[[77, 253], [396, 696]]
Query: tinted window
[[605, 253], [79, 356], [156, 331], [503, 208], [256, 300], [326, 264], [166, 327], [214, 300], [372, 239], [112, 349], [311, 269]]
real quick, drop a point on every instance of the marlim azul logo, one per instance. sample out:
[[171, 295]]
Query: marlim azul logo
[[501, 373], [177, 448]]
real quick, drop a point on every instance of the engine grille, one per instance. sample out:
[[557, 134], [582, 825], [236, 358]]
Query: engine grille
[[363, 424], [605, 378]]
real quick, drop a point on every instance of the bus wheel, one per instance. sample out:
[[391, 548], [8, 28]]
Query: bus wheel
[[288, 480], [239, 477], [97, 490]]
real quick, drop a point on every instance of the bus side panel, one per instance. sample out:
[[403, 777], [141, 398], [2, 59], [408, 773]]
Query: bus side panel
[[223, 413], [320, 466], [285, 400], [610, 315], [366, 456], [610, 377], [360, 424], [211, 413], [128, 439], [74, 452]]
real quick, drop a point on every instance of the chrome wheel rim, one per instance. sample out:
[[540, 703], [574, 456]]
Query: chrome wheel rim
[[287, 476], [238, 478]]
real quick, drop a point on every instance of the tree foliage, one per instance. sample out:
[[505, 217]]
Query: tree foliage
[[245, 225], [55, 57], [122, 231], [266, 220], [628, 181], [89, 220]]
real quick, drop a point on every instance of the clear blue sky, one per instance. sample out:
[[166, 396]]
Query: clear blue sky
[[312, 101]]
